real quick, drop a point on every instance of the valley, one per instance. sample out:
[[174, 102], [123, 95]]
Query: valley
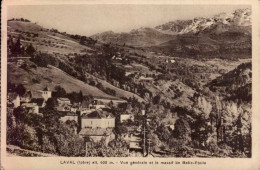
[[192, 78]]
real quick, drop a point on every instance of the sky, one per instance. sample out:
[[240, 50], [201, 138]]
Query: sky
[[89, 19]]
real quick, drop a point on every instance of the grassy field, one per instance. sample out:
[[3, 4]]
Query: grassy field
[[40, 77], [45, 41], [37, 79]]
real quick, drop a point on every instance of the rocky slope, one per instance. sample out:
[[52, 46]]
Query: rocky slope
[[221, 22]]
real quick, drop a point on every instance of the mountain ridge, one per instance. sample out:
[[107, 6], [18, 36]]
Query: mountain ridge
[[238, 21], [240, 18]]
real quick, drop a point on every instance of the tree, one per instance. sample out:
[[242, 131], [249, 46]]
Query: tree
[[200, 132], [40, 59], [16, 48], [76, 97], [182, 130], [163, 133], [11, 87], [100, 86], [120, 129], [238, 135], [51, 103], [80, 96], [155, 142], [30, 50], [156, 99], [111, 104], [60, 91], [19, 114], [20, 90]]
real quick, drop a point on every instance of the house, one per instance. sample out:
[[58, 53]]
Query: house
[[14, 99], [97, 119], [171, 127], [74, 109], [97, 134], [135, 143], [97, 106], [125, 117], [172, 61], [46, 93], [63, 101], [63, 108], [64, 104], [33, 107], [69, 116], [145, 79], [127, 73], [118, 57]]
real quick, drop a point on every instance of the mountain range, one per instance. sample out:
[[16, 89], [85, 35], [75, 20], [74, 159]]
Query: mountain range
[[224, 26]]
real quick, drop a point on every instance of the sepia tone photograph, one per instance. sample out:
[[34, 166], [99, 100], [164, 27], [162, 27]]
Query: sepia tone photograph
[[129, 80]]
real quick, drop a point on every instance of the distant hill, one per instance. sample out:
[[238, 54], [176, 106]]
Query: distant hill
[[226, 45], [136, 37], [46, 40], [226, 35]]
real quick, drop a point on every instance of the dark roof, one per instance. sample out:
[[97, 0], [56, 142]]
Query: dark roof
[[38, 101], [95, 131], [68, 113], [63, 99], [95, 114], [46, 89], [36, 94], [98, 114]]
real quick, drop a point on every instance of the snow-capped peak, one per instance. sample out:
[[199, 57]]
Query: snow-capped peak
[[240, 17]]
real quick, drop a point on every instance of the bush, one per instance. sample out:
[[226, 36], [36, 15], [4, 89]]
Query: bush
[[20, 90], [110, 91], [36, 81], [92, 83]]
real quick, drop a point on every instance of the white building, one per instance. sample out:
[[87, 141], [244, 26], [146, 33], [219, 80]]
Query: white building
[[98, 119], [125, 117], [46, 93], [69, 116], [63, 101]]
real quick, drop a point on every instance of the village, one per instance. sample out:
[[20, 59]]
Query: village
[[174, 96], [94, 121]]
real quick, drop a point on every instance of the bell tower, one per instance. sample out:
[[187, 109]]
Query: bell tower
[[46, 93]]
